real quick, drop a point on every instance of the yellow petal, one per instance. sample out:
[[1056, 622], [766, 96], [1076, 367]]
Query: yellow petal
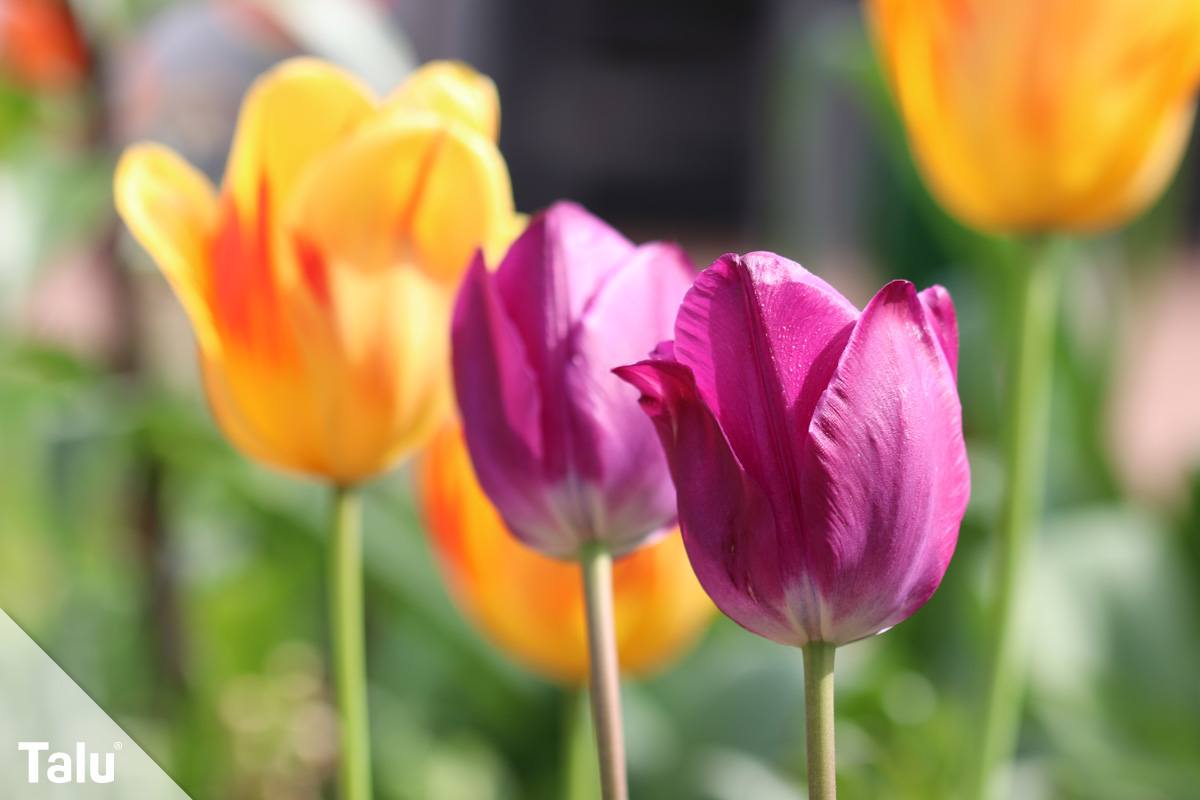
[[415, 191], [262, 412], [171, 209], [467, 203], [494, 249], [453, 91], [291, 116], [363, 383], [1143, 177], [375, 352]]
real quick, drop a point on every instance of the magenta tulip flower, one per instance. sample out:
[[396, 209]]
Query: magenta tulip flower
[[817, 453], [557, 440]]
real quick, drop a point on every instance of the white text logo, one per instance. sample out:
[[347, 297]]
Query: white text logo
[[81, 767]]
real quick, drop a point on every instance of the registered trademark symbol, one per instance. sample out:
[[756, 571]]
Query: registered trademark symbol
[[118, 745]]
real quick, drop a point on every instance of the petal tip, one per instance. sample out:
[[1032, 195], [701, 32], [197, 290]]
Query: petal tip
[[473, 281], [562, 216], [943, 318], [662, 384], [306, 67], [640, 376], [897, 291]]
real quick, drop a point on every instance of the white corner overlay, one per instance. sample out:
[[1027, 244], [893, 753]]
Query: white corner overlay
[[55, 742]]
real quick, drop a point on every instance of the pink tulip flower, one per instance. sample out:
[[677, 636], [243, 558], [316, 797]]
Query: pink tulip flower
[[817, 451], [558, 442]]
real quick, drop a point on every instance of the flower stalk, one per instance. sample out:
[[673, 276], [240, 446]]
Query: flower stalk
[[581, 778], [1030, 384], [605, 681], [349, 647], [818, 720]]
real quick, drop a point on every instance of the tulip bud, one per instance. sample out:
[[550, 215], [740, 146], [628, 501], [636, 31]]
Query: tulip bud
[[817, 452], [557, 441], [1028, 115]]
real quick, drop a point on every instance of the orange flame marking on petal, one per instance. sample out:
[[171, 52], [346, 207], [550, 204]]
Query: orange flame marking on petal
[[245, 298], [420, 186], [313, 269]]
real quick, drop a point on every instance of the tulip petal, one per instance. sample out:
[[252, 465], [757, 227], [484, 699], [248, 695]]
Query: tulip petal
[[639, 301], [375, 355], [453, 91], [720, 505], [944, 319], [171, 209], [412, 193], [1142, 169], [467, 203], [501, 411], [762, 336], [885, 476], [246, 401], [292, 116], [1125, 150], [545, 281], [373, 368]]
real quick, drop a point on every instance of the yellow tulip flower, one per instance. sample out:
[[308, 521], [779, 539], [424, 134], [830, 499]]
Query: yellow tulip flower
[[530, 605], [1034, 115], [319, 280]]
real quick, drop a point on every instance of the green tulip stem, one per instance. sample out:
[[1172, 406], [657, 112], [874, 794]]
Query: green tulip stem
[[818, 720], [1031, 373], [349, 647], [605, 676], [581, 777]]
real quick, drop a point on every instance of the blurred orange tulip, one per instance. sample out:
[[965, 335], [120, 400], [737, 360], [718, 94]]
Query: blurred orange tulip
[[319, 282], [1028, 115], [531, 605], [40, 44]]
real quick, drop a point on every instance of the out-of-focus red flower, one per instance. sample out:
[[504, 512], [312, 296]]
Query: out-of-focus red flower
[[40, 44]]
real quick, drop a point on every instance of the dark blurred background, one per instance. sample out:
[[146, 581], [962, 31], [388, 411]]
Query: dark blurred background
[[183, 586]]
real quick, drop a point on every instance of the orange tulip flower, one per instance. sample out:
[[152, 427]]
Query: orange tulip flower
[[319, 280], [530, 605], [1029, 115]]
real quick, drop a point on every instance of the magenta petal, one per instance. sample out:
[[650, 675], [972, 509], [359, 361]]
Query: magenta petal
[[722, 513], [940, 308], [635, 307], [545, 281], [762, 336], [500, 406], [885, 478]]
